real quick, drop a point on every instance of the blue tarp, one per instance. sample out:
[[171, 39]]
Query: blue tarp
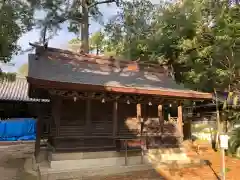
[[18, 129]]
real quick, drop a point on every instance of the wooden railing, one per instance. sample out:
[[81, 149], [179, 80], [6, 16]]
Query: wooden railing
[[134, 142]]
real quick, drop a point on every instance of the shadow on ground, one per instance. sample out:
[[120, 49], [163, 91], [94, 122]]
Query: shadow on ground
[[12, 160]]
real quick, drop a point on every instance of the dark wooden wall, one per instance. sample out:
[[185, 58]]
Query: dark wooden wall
[[88, 125]]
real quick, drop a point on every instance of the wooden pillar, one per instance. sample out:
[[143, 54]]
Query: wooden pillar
[[139, 114], [88, 115], [57, 102], [180, 120], [144, 115], [138, 110], [139, 117], [160, 116], [38, 133], [115, 118]]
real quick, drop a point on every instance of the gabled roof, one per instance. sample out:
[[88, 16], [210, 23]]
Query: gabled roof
[[16, 90], [66, 69]]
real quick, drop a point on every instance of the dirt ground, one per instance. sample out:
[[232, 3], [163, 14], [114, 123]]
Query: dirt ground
[[12, 160], [12, 167], [211, 171], [143, 175]]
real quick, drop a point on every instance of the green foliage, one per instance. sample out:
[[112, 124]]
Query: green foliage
[[16, 18], [128, 32], [234, 141], [97, 42], [7, 76], [198, 40], [74, 44]]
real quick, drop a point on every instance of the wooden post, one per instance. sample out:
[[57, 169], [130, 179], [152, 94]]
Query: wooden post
[[88, 116], [56, 113], [160, 117], [115, 118], [180, 120], [139, 116], [38, 133], [139, 112]]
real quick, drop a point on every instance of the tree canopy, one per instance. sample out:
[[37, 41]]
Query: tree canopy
[[16, 18], [198, 40], [76, 13]]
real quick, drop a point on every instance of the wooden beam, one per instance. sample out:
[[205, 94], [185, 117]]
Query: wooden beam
[[115, 118], [180, 120], [88, 87]]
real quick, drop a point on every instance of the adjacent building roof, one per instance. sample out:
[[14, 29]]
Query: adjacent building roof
[[16, 90], [55, 67]]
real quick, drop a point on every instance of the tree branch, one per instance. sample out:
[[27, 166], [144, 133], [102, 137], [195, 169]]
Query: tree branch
[[101, 2]]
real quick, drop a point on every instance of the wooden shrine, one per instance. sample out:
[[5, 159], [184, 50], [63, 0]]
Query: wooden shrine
[[99, 102]]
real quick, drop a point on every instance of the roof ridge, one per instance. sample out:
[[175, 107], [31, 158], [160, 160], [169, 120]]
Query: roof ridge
[[102, 57]]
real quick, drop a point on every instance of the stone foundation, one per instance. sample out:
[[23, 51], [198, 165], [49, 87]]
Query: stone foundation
[[87, 164]]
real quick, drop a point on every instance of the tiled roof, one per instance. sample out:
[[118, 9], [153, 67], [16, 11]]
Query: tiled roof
[[56, 65], [16, 90]]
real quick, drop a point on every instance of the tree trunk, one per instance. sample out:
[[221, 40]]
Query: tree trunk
[[98, 49], [85, 27]]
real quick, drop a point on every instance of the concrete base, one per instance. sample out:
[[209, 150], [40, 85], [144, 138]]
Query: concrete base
[[57, 174], [88, 164], [93, 159]]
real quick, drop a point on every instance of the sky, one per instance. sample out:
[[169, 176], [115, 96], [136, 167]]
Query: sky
[[59, 41]]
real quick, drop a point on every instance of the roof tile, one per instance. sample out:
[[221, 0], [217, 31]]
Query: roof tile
[[16, 90]]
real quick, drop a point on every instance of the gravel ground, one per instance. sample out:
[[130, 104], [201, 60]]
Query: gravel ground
[[12, 160]]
